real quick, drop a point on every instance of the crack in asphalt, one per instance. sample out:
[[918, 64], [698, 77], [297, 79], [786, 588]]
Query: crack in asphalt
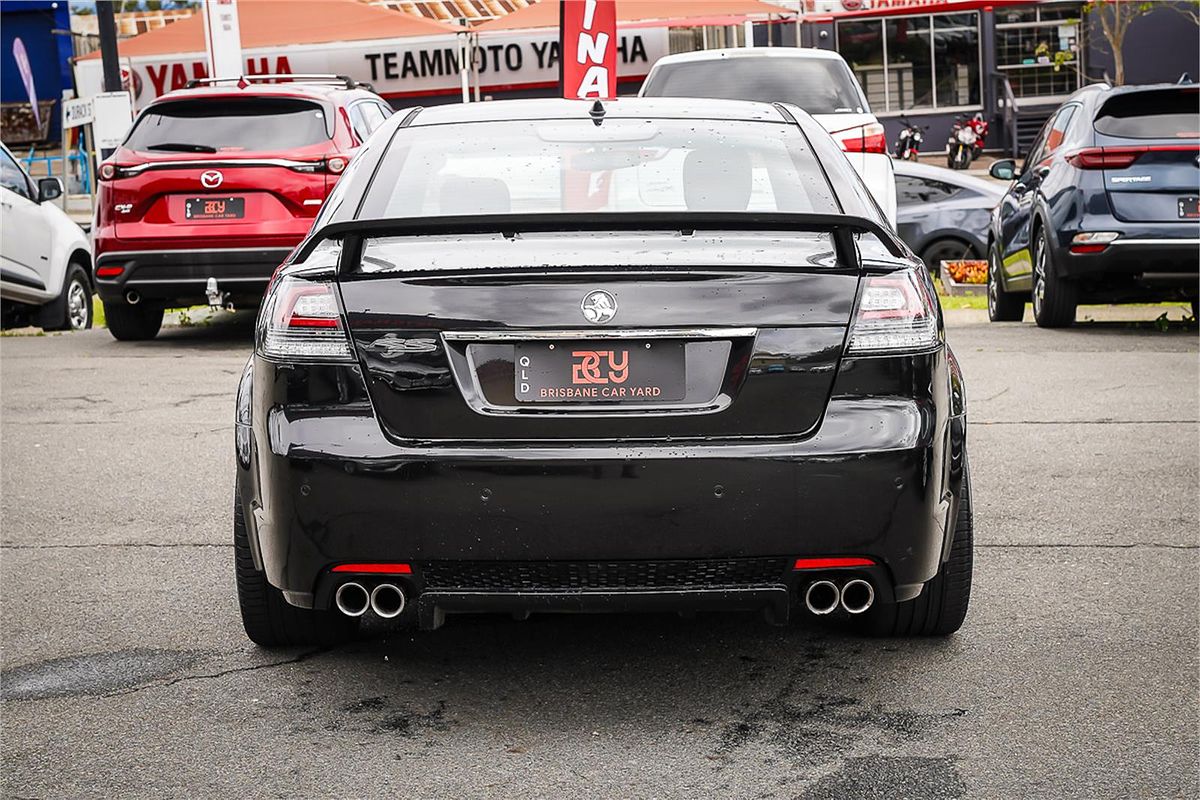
[[78, 546], [219, 674], [1086, 422], [1085, 546]]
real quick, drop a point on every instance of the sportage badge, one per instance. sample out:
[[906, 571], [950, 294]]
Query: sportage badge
[[598, 307]]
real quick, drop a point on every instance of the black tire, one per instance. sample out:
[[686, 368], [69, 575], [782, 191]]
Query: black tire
[[132, 323], [271, 621], [1054, 299], [71, 310], [1002, 306], [942, 605], [946, 249]]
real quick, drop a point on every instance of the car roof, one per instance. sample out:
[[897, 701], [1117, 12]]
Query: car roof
[[620, 108], [1104, 90], [297, 89], [810, 53], [953, 177]]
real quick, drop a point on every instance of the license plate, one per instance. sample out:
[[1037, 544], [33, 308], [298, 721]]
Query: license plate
[[214, 208], [600, 372], [1189, 207]]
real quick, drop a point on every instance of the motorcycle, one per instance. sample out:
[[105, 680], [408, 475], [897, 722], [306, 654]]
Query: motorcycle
[[961, 146], [908, 143], [980, 126]]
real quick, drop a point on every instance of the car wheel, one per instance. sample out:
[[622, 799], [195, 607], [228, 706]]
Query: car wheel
[[269, 620], [132, 323], [1002, 306], [945, 250], [941, 607], [1054, 299], [71, 310]]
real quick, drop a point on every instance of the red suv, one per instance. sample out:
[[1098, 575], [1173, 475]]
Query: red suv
[[214, 186]]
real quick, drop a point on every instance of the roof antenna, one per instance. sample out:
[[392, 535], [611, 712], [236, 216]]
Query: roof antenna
[[597, 113]]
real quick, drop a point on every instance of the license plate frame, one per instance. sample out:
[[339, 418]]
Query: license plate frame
[[204, 209], [1189, 207], [607, 372]]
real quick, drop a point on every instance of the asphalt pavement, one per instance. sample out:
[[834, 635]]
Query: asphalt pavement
[[126, 672]]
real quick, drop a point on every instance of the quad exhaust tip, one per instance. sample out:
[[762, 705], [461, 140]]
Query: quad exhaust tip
[[822, 597], [387, 600], [352, 599], [857, 596]]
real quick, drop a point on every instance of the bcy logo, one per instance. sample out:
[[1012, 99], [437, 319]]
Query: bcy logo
[[211, 179], [598, 307], [599, 366]]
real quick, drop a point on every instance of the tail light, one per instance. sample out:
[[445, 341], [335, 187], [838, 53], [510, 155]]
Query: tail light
[[334, 165], [109, 171], [868, 138], [896, 313], [301, 321], [1120, 157]]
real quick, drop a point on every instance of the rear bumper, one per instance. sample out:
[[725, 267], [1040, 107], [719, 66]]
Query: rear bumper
[[879, 479], [180, 276]]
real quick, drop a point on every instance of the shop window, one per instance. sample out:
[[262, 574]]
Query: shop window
[[915, 62], [910, 68], [705, 37], [861, 44], [1038, 50]]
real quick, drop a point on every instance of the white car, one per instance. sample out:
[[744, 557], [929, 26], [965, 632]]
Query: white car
[[45, 258], [818, 81]]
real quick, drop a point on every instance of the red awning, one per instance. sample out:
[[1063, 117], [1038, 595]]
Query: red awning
[[646, 13], [265, 23]]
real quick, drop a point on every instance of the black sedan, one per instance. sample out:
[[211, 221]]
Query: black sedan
[[1106, 207], [943, 214], [557, 356]]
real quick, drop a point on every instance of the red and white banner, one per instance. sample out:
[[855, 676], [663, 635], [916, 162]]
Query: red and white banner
[[589, 48]]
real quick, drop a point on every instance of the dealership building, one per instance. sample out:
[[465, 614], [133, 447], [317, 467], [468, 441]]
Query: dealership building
[[925, 60]]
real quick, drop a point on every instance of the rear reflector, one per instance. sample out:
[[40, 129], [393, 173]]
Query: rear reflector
[[831, 563], [869, 138], [1093, 242], [109, 272], [375, 569], [896, 313], [1121, 157]]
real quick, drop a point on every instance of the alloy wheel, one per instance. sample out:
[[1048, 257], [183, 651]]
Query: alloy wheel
[[77, 305], [992, 288], [1039, 273]]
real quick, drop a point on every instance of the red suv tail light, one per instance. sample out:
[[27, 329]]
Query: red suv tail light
[[869, 138], [896, 314], [301, 321]]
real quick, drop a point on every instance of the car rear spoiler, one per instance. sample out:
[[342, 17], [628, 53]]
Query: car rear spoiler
[[842, 227]]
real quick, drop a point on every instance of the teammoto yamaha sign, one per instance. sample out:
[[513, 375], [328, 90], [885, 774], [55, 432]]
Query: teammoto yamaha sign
[[413, 66]]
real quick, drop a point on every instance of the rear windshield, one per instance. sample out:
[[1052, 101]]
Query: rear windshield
[[1161, 114], [252, 123], [622, 165], [817, 85]]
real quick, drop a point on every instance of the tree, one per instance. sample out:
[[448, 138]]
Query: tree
[[1116, 16]]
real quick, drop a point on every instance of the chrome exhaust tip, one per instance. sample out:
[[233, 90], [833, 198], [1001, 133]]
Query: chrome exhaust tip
[[132, 297], [822, 597], [352, 599], [857, 596], [387, 600]]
